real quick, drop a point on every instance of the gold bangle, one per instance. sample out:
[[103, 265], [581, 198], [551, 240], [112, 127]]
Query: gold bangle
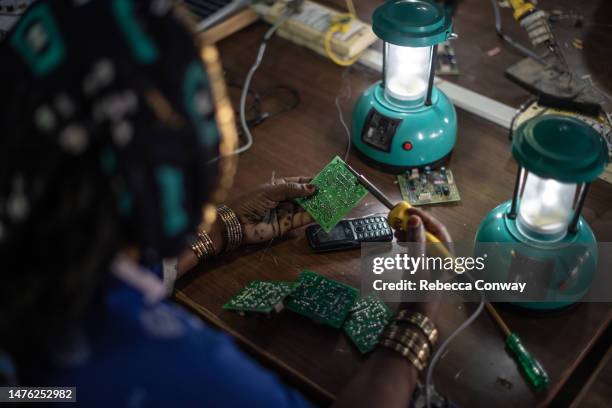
[[404, 351], [233, 228], [203, 246], [422, 322], [415, 341]]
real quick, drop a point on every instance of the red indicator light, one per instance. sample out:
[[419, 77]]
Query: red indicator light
[[407, 146]]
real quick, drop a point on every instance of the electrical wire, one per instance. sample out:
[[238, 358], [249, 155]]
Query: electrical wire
[[254, 107], [296, 100], [340, 24], [509, 40], [344, 93], [447, 341], [257, 115], [247, 82], [518, 112]]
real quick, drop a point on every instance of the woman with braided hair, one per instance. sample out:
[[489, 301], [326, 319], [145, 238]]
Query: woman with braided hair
[[109, 154]]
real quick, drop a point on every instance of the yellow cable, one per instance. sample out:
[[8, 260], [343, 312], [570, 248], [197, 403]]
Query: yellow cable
[[340, 25]]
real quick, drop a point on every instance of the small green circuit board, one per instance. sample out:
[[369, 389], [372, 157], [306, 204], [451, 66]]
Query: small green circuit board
[[366, 320], [261, 297], [338, 192], [322, 299], [428, 187]]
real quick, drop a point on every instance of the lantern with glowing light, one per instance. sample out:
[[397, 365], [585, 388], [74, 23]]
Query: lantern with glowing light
[[558, 157], [404, 121]]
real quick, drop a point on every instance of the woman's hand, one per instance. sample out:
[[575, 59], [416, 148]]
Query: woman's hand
[[388, 379], [266, 213], [269, 211], [418, 223]]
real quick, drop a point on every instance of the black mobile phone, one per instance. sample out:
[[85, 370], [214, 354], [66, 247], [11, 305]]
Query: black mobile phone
[[349, 233]]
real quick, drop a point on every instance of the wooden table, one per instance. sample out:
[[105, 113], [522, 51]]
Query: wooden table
[[476, 371]]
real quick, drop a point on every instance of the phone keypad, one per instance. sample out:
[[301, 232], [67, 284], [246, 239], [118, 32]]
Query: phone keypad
[[372, 229]]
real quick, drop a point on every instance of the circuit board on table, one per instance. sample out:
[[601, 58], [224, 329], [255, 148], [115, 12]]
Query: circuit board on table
[[260, 297], [322, 299], [366, 320], [338, 192], [428, 186]]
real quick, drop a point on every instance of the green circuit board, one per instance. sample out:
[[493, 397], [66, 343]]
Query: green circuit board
[[338, 192], [366, 320], [322, 299], [261, 297], [428, 187]]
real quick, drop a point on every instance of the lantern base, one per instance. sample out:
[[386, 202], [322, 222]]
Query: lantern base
[[400, 136], [568, 281]]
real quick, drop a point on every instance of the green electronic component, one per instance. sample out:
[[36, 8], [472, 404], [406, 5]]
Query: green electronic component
[[428, 187], [260, 297], [322, 299], [338, 192], [367, 319]]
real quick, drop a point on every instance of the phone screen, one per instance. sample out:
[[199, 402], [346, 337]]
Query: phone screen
[[336, 234]]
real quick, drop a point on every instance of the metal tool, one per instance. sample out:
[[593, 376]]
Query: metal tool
[[371, 188], [398, 218], [398, 215]]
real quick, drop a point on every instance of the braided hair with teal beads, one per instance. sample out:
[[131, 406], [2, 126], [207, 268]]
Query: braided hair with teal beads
[[107, 135]]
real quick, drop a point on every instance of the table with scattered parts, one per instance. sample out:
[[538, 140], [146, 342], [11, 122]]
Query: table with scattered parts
[[320, 360]]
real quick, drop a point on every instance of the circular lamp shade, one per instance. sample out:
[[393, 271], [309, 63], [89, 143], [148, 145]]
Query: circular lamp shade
[[560, 147], [411, 23], [558, 154]]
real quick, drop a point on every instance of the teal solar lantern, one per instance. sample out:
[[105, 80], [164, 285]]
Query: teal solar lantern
[[558, 157], [404, 121]]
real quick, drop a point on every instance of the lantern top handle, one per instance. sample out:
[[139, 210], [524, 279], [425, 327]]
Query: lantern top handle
[[561, 148], [412, 23]]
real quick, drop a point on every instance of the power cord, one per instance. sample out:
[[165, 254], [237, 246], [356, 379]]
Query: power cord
[[447, 341], [275, 90], [344, 94], [255, 109], [292, 7]]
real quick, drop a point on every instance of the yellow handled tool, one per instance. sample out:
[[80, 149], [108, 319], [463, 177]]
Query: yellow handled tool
[[398, 214], [521, 8], [398, 219]]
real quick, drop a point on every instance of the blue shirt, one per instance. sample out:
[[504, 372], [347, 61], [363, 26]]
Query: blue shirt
[[132, 352]]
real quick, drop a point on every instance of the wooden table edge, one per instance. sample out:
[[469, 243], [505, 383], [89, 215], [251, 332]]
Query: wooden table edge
[[565, 374]]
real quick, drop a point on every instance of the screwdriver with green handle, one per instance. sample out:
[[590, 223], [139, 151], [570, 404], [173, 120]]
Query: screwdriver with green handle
[[398, 219]]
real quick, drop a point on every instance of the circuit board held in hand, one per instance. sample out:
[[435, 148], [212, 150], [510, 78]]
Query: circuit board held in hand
[[366, 320], [338, 192], [429, 186], [261, 297], [322, 299]]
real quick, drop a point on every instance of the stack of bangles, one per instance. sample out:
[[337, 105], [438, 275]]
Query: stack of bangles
[[412, 335], [203, 245]]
